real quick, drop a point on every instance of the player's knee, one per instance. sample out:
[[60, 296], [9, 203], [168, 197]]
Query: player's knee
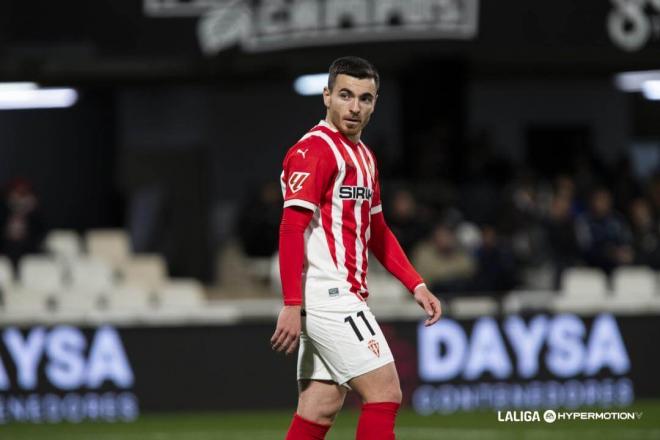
[[396, 395], [320, 409], [327, 415], [391, 393], [319, 412]]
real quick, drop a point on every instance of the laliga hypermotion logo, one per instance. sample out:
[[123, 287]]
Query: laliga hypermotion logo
[[281, 24]]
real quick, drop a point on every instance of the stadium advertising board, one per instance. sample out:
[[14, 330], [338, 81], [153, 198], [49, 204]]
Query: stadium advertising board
[[540, 361], [614, 30], [112, 374], [66, 373], [281, 24]]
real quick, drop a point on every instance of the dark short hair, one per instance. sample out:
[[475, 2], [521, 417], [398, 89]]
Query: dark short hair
[[352, 66]]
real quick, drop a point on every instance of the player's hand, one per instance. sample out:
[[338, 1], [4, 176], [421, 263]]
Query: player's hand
[[287, 332], [429, 303]]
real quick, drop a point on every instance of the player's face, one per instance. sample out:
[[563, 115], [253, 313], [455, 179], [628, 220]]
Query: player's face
[[350, 104]]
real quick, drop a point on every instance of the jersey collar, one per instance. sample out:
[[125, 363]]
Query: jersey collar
[[349, 142]]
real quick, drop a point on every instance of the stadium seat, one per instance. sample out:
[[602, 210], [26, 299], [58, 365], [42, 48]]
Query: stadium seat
[[275, 284], [584, 283], [259, 268], [109, 245], [521, 301], [63, 244], [635, 290], [583, 290], [382, 285], [24, 303], [471, 307], [91, 275], [631, 282], [40, 273], [129, 298], [146, 271], [78, 302], [6, 273], [234, 278], [126, 305], [181, 293]]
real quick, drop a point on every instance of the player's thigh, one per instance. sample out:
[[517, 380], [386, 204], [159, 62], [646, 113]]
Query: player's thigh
[[379, 385], [319, 400], [350, 342]]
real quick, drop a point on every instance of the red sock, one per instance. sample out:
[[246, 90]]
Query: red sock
[[303, 429], [377, 421]]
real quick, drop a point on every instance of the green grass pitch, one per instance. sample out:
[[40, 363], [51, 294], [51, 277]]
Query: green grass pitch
[[272, 426]]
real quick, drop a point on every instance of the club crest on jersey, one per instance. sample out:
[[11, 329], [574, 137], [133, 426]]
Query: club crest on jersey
[[355, 192], [374, 346], [296, 181]]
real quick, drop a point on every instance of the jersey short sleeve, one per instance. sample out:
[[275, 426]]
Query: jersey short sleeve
[[308, 171]]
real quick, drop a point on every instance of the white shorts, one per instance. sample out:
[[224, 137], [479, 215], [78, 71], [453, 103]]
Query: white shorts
[[340, 344]]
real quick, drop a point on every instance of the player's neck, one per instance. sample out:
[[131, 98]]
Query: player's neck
[[355, 139]]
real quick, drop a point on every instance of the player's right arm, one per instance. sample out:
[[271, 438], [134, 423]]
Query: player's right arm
[[292, 253], [306, 175]]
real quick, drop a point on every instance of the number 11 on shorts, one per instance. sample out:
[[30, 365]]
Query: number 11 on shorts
[[350, 320]]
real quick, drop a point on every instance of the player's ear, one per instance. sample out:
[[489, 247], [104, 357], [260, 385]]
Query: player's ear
[[326, 96]]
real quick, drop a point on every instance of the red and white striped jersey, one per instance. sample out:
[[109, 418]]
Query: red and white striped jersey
[[338, 180]]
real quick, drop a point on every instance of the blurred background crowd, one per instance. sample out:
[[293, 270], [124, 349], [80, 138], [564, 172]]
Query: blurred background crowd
[[496, 228]]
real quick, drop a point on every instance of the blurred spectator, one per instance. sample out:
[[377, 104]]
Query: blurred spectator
[[403, 217], [603, 236], [259, 221], [443, 264], [564, 187], [23, 228], [560, 235], [654, 194], [645, 234], [520, 219], [469, 236], [624, 183], [496, 267]]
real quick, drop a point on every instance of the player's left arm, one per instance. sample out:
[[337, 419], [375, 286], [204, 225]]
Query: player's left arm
[[388, 251]]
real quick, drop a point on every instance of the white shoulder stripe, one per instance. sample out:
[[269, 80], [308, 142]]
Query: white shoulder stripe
[[367, 168], [306, 136], [372, 161]]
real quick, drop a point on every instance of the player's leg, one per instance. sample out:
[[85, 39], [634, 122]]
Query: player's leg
[[320, 401], [379, 385], [381, 396], [349, 344], [318, 404]]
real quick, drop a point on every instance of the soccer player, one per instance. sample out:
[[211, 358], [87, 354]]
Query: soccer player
[[332, 217]]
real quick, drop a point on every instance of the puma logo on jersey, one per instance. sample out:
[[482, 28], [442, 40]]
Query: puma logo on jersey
[[302, 153], [355, 192], [296, 181]]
